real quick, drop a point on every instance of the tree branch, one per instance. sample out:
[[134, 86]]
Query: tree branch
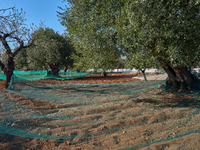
[[5, 43], [17, 50], [6, 9]]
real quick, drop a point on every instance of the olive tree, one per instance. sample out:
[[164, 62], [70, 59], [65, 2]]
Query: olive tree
[[170, 32], [168, 29], [14, 36], [52, 50], [92, 35]]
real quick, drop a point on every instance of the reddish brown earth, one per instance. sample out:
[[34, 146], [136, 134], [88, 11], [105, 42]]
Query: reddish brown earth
[[90, 79], [157, 120], [95, 79], [2, 84]]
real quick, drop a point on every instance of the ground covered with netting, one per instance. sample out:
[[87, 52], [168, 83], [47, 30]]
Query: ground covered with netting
[[116, 112]]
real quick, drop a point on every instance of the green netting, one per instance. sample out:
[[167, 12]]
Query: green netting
[[2, 76], [18, 72], [36, 75], [85, 113]]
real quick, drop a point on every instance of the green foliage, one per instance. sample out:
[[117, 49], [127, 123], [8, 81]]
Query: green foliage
[[50, 48], [101, 31], [121, 63], [140, 60], [169, 30], [21, 60], [92, 34]]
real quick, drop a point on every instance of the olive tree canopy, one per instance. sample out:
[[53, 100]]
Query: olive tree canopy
[[169, 30], [52, 50]]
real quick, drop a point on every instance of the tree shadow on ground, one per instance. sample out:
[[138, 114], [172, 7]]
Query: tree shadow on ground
[[175, 104]]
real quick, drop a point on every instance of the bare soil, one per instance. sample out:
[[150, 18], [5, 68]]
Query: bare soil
[[90, 79], [95, 79], [148, 120]]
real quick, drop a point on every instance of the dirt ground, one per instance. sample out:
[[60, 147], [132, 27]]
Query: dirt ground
[[102, 117], [90, 79]]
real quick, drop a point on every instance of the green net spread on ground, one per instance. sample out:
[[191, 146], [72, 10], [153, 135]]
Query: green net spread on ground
[[96, 114], [36, 75]]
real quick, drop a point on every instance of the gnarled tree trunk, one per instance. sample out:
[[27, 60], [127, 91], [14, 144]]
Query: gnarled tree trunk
[[8, 70], [54, 69], [180, 78]]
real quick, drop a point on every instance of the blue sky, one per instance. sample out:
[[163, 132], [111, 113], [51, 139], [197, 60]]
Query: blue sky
[[37, 11]]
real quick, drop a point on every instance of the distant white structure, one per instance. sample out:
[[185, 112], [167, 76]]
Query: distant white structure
[[121, 70], [149, 71], [136, 70], [197, 70]]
